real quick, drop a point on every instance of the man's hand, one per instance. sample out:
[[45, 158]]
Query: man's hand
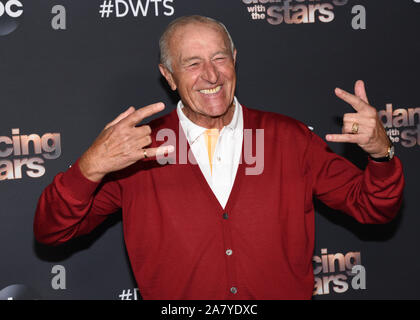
[[371, 135], [121, 144]]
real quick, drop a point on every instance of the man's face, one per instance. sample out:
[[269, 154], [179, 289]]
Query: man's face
[[203, 69]]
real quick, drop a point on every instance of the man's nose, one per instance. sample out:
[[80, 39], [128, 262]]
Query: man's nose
[[210, 73]]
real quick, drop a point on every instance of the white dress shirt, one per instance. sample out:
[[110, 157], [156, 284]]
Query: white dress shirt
[[226, 155]]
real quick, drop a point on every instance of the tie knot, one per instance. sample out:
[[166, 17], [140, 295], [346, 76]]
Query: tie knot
[[212, 132]]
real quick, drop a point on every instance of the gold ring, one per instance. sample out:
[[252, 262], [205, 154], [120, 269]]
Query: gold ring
[[145, 153], [355, 128]]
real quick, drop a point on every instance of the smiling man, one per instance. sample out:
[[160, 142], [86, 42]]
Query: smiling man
[[212, 231], [200, 64]]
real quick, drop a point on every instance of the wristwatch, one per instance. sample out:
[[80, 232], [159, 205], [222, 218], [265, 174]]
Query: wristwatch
[[389, 156]]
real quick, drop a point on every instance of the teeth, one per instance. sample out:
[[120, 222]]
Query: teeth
[[211, 91]]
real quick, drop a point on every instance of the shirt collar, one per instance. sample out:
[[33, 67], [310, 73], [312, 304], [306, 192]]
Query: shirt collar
[[194, 131]]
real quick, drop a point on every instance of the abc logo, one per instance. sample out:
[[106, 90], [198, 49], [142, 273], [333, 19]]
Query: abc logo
[[13, 8], [10, 12]]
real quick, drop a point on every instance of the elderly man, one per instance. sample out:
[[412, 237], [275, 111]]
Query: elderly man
[[207, 229]]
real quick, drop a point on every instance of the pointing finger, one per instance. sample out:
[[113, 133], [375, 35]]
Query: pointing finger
[[360, 91]]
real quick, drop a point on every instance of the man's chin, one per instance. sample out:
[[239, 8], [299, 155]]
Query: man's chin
[[217, 109], [217, 112]]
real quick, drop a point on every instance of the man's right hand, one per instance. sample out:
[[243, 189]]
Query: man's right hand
[[121, 144]]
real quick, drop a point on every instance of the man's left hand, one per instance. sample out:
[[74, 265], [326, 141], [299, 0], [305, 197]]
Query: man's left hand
[[364, 126]]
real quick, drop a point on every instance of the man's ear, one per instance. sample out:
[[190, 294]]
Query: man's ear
[[234, 57], [168, 76]]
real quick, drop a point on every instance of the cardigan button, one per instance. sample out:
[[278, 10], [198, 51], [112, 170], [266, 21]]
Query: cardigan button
[[229, 252], [234, 290], [225, 216]]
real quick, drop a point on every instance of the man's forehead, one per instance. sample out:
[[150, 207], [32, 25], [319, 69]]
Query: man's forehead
[[186, 40], [183, 33]]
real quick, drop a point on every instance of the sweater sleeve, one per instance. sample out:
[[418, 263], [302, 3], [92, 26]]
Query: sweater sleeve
[[72, 205], [373, 195]]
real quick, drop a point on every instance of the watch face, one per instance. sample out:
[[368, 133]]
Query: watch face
[[391, 152]]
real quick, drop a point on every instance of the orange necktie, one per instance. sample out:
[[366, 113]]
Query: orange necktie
[[210, 137]]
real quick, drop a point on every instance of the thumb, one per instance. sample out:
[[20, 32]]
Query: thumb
[[123, 115]]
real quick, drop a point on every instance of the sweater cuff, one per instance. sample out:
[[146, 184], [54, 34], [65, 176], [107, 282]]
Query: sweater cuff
[[384, 170], [78, 186]]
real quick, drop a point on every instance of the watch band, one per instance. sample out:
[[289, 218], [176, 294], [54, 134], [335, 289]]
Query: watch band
[[389, 155]]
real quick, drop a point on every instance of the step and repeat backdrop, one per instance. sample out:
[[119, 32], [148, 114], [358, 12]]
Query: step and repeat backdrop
[[68, 67]]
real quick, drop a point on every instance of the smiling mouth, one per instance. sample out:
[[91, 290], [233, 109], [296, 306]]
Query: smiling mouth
[[211, 91]]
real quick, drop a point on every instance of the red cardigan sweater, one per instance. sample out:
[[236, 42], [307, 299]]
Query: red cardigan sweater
[[177, 234]]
